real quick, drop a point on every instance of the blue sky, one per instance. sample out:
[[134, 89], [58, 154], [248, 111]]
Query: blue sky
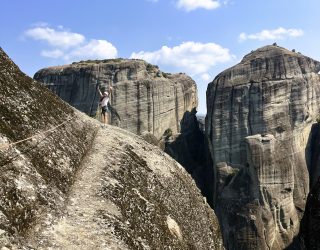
[[198, 37]]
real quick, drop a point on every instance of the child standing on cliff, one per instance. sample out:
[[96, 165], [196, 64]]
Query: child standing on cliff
[[104, 101]]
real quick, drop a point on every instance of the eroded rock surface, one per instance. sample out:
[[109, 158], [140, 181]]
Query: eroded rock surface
[[262, 181], [80, 186], [131, 195], [188, 148], [36, 174], [146, 99]]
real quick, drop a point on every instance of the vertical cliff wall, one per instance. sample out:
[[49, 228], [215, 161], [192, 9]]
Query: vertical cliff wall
[[260, 114], [146, 99]]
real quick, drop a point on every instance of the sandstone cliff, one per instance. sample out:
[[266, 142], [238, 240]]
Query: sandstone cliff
[[146, 99], [260, 114], [79, 186]]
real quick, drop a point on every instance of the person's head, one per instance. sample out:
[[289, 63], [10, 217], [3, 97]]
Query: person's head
[[105, 93]]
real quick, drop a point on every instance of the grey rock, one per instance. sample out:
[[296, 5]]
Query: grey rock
[[128, 194], [35, 174], [188, 148], [146, 99], [271, 91]]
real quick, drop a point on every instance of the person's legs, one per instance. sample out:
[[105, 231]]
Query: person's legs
[[107, 115], [106, 118], [103, 115]]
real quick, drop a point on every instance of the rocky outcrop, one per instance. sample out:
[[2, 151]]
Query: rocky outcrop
[[146, 99], [130, 195], [127, 194], [260, 114], [35, 174], [188, 148]]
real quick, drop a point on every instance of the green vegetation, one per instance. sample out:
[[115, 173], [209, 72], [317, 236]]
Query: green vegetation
[[116, 60], [166, 75], [167, 133], [151, 67]]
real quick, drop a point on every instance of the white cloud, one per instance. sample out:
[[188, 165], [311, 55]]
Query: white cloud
[[95, 49], [205, 77], [71, 46], [191, 57], [279, 33], [62, 39], [57, 53], [189, 5]]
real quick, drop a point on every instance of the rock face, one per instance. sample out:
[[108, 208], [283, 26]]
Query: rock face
[[260, 114], [146, 99], [310, 224], [188, 148], [128, 194], [36, 174]]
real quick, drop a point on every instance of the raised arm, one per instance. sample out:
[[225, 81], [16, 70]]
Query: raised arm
[[99, 90]]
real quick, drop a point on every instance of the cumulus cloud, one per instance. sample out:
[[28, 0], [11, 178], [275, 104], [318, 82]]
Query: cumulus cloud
[[95, 49], [189, 5], [205, 77], [276, 34], [69, 46], [63, 39], [191, 57]]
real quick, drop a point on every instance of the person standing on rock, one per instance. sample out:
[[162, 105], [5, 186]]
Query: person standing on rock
[[104, 101]]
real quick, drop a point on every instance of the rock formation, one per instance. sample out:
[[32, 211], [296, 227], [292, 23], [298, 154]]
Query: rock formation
[[127, 194], [260, 114], [146, 99], [310, 224], [35, 174], [188, 148]]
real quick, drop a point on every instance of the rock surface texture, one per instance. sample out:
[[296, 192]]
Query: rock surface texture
[[146, 99], [35, 174], [258, 124], [188, 148], [80, 186]]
